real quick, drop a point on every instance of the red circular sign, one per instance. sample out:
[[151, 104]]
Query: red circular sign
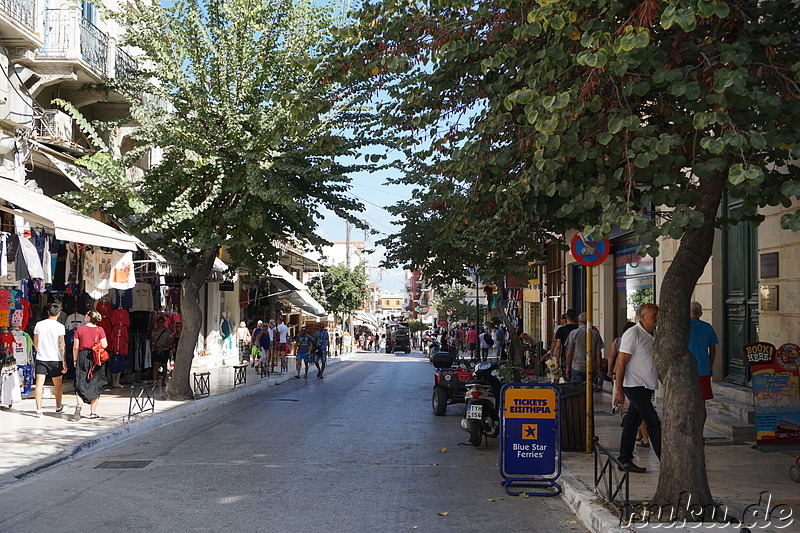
[[589, 252]]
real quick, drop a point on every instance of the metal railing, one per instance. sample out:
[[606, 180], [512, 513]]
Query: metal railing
[[94, 46], [124, 64], [143, 398], [23, 11], [612, 483]]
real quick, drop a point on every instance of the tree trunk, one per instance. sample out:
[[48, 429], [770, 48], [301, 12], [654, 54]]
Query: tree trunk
[[516, 344], [180, 387], [683, 467]]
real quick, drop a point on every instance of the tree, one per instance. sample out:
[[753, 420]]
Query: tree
[[454, 299], [251, 134], [341, 290], [415, 326], [523, 120]]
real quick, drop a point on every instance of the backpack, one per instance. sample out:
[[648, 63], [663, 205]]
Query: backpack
[[99, 355]]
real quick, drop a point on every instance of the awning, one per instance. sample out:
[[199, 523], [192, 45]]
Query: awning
[[69, 224], [294, 291]]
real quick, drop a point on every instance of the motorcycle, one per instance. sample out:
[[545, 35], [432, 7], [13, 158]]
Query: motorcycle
[[482, 415], [432, 349]]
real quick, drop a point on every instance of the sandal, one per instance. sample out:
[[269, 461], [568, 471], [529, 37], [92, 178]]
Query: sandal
[[94, 416], [643, 444]]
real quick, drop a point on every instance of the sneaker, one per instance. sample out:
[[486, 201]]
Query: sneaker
[[630, 466], [59, 409], [39, 413], [321, 376]]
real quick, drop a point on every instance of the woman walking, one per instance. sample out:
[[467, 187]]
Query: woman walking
[[89, 380]]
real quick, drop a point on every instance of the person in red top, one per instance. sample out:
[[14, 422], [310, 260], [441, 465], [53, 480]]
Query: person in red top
[[88, 389], [472, 340]]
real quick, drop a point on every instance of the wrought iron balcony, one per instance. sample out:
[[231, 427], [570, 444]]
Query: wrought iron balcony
[[94, 46], [23, 11], [68, 35], [124, 65]]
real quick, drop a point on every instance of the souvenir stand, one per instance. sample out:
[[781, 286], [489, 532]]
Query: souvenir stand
[[37, 268]]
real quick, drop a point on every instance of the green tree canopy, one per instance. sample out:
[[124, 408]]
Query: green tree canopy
[[248, 138], [455, 299], [524, 119], [341, 290]]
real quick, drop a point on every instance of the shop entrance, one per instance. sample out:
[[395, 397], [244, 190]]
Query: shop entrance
[[740, 251]]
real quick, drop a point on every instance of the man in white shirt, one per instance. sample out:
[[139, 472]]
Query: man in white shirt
[[48, 340], [283, 340], [636, 370]]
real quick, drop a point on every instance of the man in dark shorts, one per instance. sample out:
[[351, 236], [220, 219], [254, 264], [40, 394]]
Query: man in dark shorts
[[161, 342], [302, 350], [48, 340]]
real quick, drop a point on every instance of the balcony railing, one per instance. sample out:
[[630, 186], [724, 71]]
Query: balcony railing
[[94, 46], [23, 11], [124, 65], [68, 35]]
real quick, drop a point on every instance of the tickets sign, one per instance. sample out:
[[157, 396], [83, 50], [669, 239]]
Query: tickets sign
[[776, 392], [529, 431]]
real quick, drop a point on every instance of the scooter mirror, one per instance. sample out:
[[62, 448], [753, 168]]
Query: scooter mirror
[[484, 366]]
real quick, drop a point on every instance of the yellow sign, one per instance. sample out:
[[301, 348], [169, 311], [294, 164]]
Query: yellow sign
[[530, 432], [530, 403]]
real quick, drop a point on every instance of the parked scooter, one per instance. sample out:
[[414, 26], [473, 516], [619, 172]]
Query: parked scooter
[[432, 348], [482, 415]]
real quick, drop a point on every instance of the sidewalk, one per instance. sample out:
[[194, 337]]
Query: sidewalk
[[737, 474], [29, 444]]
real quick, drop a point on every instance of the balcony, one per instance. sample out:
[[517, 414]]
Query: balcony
[[71, 38], [19, 22]]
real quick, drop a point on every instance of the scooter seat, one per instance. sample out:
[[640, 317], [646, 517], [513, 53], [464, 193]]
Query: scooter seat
[[482, 382]]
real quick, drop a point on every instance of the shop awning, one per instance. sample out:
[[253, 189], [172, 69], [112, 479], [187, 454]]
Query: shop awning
[[295, 292], [69, 224]]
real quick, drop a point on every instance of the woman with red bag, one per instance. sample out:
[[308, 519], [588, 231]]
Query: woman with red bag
[[89, 379]]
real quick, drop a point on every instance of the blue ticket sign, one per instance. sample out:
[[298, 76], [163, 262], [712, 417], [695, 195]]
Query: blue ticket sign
[[530, 447]]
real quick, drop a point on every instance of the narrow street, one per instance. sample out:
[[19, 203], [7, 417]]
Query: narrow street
[[358, 451]]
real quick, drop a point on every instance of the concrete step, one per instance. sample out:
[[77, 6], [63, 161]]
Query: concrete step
[[732, 392], [730, 428], [743, 412]]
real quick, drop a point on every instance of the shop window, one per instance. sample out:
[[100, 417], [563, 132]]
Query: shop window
[[634, 283]]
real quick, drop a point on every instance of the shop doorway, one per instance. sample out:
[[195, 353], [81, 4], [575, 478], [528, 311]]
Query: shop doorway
[[740, 252]]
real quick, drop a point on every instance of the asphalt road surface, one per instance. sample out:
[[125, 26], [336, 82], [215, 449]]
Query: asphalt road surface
[[359, 451]]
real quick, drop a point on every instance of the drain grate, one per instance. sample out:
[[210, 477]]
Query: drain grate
[[281, 400], [123, 465], [725, 443]]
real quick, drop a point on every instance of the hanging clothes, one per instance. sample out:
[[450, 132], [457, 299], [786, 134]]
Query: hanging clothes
[[122, 274]]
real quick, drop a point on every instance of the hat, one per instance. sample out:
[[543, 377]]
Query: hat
[[242, 325], [259, 323], [272, 322]]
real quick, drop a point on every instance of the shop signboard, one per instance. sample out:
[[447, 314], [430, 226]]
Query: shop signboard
[[776, 392], [530, 442]]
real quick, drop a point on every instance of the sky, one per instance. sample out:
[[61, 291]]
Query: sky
[[373, 191]]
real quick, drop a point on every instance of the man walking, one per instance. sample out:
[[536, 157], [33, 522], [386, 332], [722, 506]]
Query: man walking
[[576, 351], [51, 358], [322, 340], [303, 344], [472, 341], [703, 345], [282, 331], [636, 371]]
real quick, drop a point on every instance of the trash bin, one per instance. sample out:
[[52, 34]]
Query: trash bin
[[573, 417]]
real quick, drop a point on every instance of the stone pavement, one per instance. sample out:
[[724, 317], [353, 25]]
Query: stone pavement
[[29, 444], [738, 474]]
